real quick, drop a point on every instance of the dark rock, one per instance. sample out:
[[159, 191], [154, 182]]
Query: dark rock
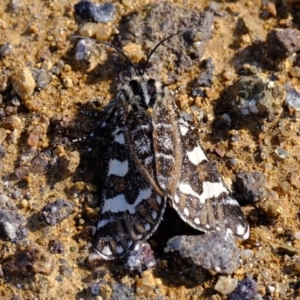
[[206, 75], [140, 258], [54, 213], [102, 13], [245, 290], [251, 185], [56, 246], [283, 42], [215, 251], [11, 225], [28, 261], [41, 78]]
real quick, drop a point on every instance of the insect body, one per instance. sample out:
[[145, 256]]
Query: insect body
[[155, 155]]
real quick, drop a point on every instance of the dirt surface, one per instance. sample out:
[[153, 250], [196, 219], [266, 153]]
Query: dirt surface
[[238, 81]]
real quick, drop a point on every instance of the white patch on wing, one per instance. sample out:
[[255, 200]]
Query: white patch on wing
[[166, 156], [197, 221], [148, 160], [196, 156], [163, 125], [102, 223], [158, 199], [183, 129], [186, 211], [210, 190], [230, 201], [147, 227], [176, 198], [118, 168], [119, 203], [240, 230], [119, 249], [154, 215], [120, 139], [107, 251]]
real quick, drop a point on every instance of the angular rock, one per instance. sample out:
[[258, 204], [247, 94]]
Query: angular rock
[[245, 290], [283, 42], [29, 260], [54, 213], [215, 251], [251, 185], [11, 225]]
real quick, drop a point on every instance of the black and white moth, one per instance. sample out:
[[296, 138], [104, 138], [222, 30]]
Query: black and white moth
[[155, 155]]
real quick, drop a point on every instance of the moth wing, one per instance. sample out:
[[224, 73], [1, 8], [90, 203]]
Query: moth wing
[[130, 210], [201, 198]]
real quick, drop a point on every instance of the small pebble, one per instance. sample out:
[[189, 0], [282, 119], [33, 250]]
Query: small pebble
[[134, 52], [251, 185], [206, 75], [54, 213], [56, 246], [68, 163], [103, 12], [41, 77], [12, 122], [282, 153], [246, 254], [88, 30], [34, 136], [23, 83], [225, 285], [84, 48], [11, 225], [67, 82], [285, 248], [145, 285], [6, 49], [292, 99]]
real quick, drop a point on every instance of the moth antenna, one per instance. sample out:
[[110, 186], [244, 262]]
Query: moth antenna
[[112, 46], [161, 42]]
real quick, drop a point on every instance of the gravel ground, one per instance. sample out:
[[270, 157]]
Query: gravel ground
[[236, 72]]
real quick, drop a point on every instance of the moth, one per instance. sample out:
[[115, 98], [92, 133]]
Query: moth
[[155, 155]]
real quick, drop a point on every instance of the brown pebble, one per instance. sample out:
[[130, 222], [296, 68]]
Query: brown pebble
[[12, 122], [28, 261], [68, 163], [134, 52], [23, 83], [34, 136], [104, 32], [145, 285], [271, 8]]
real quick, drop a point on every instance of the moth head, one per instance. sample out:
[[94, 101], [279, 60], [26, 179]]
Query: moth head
[[143, 92]]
